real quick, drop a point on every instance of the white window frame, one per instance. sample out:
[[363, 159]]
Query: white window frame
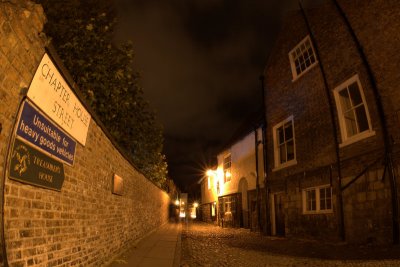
[[347, 140], [292, 58], [317, 200], [278, 164], [227, 178]]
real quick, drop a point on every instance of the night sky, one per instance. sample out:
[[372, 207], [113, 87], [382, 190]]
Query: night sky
[[200, 63]]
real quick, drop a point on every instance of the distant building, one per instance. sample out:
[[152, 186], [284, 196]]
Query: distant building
[[332, 95], [230, 191]]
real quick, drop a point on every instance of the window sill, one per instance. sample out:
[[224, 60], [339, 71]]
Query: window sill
[[304, 72], [284, 165], [357, 138]]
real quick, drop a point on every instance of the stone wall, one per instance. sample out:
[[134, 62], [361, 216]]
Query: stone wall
[[84, 224]]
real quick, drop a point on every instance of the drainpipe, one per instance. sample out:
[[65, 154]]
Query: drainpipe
[[340, 212], [256, 143], [386, 137], [267, 229]]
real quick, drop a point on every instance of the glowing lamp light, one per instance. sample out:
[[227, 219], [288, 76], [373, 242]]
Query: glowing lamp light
[[228, 174], [210, 173], [195, 204], [177, 202], [220, 174]]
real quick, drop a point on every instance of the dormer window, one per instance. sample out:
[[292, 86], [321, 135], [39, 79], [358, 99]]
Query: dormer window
[[302, 58]]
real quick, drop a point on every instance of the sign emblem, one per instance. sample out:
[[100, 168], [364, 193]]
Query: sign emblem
[[21, 159]]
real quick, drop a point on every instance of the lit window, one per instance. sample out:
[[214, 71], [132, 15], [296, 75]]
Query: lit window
[[317, 199], [352, 111], [302, 57], [227, 168], [284, 143]]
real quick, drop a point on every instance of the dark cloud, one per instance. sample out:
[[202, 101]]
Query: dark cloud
[[200, 63]]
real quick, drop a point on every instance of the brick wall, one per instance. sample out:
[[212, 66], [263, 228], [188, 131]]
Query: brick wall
[[84, 224]]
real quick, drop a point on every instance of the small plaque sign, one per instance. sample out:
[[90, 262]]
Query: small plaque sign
[[118, 185], [31, 166], [35, 128]]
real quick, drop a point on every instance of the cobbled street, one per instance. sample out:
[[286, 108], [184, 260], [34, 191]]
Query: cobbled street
[[208, 245]]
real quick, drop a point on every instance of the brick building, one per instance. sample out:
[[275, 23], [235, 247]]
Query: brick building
[[332, 112]]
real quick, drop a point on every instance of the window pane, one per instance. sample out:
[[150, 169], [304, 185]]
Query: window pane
[[350, 120], [322, 193], [362, 118], [344, 100], [308, 62], [288, 131], [322, 198], [281, 137], [355, 94], [322, 204], [313, 205], [282, 153], [310, 200], [290, 150]]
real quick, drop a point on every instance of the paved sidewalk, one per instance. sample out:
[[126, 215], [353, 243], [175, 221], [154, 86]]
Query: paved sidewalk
[[161, 248]]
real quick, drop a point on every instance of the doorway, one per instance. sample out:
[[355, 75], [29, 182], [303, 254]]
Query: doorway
[[278, 214], [244, 220]]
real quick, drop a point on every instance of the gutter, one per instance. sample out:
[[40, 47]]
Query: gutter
[[386, 137], [342, 233]]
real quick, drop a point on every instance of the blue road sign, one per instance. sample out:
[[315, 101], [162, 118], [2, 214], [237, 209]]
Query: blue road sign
[[38, 130]]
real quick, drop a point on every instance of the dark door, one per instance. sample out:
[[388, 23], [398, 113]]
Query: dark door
[[279, 215]]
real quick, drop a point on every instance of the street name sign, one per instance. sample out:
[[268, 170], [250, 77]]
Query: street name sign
[[52, 94]]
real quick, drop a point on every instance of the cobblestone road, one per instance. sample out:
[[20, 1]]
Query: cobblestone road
[[208, 245]]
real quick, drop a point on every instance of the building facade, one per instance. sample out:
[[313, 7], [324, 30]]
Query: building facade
[[333, 128], [232, 191]]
